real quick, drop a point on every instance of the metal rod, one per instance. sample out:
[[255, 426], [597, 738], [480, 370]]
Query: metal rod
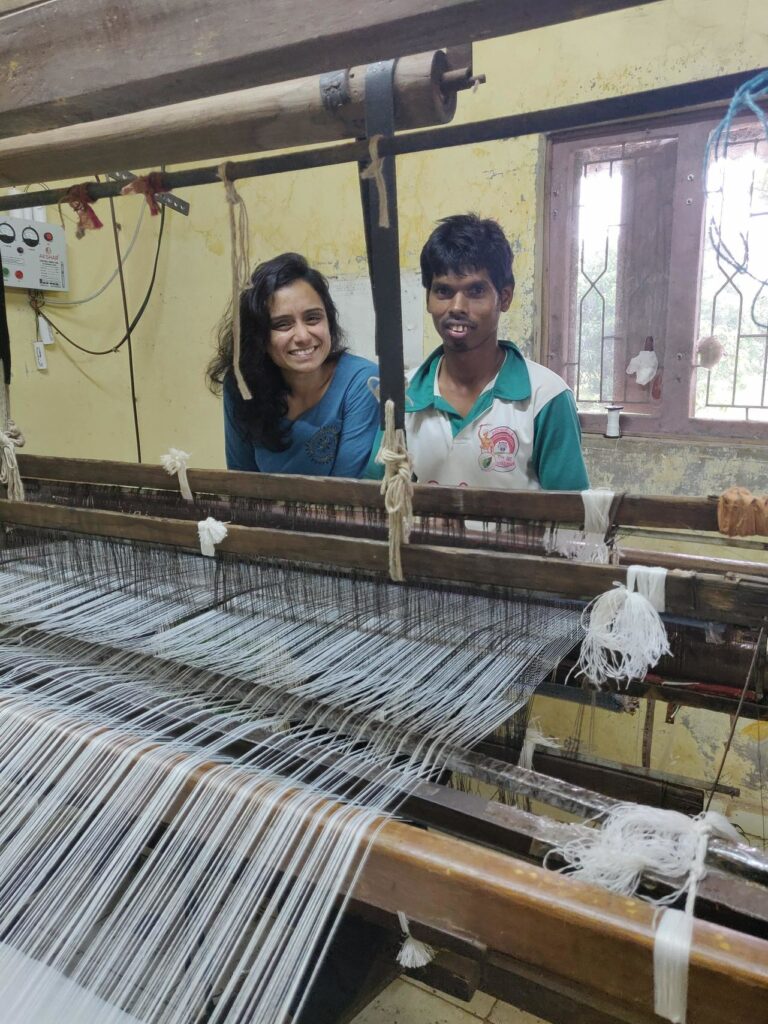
[[577, 115]]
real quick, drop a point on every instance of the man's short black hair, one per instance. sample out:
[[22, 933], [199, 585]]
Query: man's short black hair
[[466, 242]]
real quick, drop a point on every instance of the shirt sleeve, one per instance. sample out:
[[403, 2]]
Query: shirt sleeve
[[557, 455], [238, 449], [360, 420]]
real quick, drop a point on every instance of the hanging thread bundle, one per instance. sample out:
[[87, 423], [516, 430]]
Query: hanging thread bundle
[[240, 266], [591, 543], [413, 953], [211, 532], [624, 635], [175, 463]]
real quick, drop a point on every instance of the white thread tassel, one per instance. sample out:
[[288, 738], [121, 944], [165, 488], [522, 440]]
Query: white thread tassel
[[636, 840], [624, 634], [211, 533], [534, 738], [413, 953], [589, 544], [175, 463]]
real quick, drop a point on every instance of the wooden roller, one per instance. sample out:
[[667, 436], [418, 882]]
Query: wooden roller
[[302, 112]]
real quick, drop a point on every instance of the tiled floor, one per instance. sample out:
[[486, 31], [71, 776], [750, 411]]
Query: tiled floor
[[409, 1002]]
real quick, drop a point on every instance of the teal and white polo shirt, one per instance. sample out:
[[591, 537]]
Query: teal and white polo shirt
[[522, 433]]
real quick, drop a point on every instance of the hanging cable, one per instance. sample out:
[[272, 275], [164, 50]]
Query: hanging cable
[[37, 302], [128, 328]]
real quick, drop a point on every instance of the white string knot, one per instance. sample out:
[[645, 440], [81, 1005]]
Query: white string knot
[[534, 738], [239, 237], [397, 488], [175, 463], [9, 467], [211, 532], [588, 544], [413, 953], [624, 635], [375, 172]]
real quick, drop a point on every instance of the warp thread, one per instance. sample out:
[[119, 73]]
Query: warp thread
[[211, 532], [175, 463], [624, 634], [413, 952], [397, 488], [741, 513], [240, 265], [79, 198], [534, 738], [375, 172], [149, 186]]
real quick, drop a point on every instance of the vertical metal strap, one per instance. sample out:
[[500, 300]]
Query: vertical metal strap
[[383, 244]]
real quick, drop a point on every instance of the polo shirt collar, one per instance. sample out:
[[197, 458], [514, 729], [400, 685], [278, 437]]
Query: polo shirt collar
[[512, 384]]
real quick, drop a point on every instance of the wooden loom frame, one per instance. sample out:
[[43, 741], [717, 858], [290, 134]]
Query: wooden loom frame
[[522, 913], [503, 917]]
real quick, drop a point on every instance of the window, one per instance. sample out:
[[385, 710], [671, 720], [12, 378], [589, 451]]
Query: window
[[649, 272]]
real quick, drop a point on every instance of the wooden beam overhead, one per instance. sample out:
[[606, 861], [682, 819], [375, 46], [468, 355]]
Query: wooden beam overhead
[[67, 61]]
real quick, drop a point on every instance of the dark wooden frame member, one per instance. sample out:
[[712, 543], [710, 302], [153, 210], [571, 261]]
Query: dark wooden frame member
[[665, 512], [705, 596]]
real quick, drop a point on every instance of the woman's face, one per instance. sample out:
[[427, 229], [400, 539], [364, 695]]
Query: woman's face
[[300, 338]]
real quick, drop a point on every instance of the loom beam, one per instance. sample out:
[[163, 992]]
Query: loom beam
[[128, 59]]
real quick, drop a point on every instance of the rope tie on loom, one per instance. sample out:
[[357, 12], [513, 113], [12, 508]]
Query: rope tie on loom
[[397, 488], [375, 172], [240, 267], [10, 474], [624, 633], [636, 840], [413, 952], [147, 185], [175, 463], [211, 532], [79, 198]]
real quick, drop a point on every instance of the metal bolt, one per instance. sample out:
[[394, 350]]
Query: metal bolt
[[689, 202]]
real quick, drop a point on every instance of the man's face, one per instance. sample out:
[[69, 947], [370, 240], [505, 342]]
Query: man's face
[[466, 308]]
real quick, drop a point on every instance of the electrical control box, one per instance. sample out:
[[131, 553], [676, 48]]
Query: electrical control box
[[34, 254]]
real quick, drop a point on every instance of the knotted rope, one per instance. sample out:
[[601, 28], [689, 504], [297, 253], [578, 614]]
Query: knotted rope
[[79, 198], [175, 463], [375, 172], [397, 488], [11, 438], [741, 513], [147, 185], [240, 266], [413, 952]]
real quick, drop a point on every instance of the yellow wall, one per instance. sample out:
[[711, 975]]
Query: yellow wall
[[80, 405]]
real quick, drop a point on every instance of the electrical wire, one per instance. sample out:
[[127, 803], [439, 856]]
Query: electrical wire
[[108, 282], [37, 302]]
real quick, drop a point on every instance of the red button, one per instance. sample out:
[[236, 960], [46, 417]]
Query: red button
[[48, 236], [19, 274]]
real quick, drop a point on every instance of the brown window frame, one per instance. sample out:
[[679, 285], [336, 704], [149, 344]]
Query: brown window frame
[[672, 417]]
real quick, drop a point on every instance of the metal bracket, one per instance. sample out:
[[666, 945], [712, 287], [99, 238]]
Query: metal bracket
[[334, 90], [383, 244], [162, 198]]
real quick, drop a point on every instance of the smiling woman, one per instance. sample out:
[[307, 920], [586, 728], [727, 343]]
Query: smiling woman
[[312, 411]]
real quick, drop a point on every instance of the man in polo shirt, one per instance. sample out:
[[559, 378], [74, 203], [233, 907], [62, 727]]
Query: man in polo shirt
[[478, 413]]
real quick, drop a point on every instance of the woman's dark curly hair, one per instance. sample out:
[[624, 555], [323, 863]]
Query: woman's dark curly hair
[[262, 415]]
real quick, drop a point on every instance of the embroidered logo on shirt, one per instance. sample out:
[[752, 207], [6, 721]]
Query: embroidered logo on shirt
[[321, 447], [498, 447]]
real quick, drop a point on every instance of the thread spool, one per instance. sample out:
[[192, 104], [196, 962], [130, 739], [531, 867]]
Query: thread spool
[[613, 421]]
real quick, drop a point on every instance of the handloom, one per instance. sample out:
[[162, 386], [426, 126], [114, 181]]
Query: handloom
[[247, 723]]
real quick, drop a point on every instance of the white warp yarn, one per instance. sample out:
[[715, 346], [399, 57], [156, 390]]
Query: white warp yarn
[[175, 462], [413, 953], [211, 532]]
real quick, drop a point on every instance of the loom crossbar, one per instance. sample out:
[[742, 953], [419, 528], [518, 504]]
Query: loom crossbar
[[703, 596]]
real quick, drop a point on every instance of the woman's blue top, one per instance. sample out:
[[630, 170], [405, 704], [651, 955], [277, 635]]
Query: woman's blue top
[[333, 438]]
